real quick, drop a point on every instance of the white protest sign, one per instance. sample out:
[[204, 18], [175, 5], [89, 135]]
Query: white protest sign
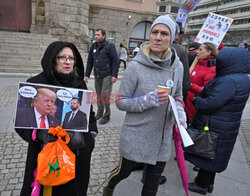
[[186, 139], [214, 29]]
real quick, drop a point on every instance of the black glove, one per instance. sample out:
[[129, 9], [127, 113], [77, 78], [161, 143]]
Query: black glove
[[45, 137]]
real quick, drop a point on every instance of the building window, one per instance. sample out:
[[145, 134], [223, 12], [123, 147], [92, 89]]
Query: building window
[[162, 9], [139, 34], [91, 35], [174, 9], [111, 36]]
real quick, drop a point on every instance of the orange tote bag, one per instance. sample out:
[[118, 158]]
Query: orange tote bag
[[56, 162]]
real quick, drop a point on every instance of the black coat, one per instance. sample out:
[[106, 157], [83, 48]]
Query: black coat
[[79, 185], [223, 99], [79, 121]]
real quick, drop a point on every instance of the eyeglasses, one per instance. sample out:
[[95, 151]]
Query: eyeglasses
[[63, 59]]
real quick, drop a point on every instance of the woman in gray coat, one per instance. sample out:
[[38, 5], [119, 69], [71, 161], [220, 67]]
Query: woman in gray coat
[[146, 135]]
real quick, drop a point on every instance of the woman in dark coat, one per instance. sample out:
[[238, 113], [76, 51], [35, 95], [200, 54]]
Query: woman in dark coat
[[62, 66], [223, 99]]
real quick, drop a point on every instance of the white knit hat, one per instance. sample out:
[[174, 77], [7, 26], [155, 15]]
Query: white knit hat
[[167, 20]]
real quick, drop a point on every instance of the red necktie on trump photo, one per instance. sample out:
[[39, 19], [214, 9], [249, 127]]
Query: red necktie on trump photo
[[42, 123]]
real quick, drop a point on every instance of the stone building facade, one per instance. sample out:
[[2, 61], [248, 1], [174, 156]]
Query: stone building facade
[[239, 32], [67, 20], [119, 24]]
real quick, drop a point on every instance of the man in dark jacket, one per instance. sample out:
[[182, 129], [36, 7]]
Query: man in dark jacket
[[182, 54], [104, 58]]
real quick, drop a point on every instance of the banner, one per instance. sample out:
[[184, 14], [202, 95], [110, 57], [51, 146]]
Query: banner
[[43, 106], [184, 10], [214, 29]]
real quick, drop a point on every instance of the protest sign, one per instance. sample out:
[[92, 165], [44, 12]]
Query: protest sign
[[186, 139], [214, 29], [43, 106], [184, 10]]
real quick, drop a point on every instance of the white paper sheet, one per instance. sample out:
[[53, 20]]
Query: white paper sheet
[[186, 139]]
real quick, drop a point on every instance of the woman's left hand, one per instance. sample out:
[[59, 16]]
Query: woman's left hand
[[162, 96]]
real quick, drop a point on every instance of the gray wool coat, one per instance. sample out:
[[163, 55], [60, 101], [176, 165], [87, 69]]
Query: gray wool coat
[[146, 134]]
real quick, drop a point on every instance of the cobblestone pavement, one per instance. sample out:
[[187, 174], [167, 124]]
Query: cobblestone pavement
[[13, 152], [105, 156], [8, 95]]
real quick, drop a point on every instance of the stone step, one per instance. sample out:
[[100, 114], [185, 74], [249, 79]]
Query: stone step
[[26, 43], [23, 44], [10, 34], [21, 53], [21, 57], [18, 70]]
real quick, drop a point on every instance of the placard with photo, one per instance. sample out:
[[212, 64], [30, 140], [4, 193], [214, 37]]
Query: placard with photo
[[42, 106]]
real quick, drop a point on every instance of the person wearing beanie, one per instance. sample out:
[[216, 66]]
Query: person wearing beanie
[[146, 135]]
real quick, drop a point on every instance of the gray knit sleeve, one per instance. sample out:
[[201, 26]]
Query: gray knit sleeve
[[127, 100]]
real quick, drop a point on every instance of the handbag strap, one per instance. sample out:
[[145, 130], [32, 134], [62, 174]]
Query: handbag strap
[[206, 127]]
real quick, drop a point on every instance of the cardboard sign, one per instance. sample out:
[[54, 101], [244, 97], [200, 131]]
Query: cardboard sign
[[214, 29], [43, 106], [184, 10]]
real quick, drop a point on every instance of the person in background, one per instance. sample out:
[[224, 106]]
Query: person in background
[[62, 66], [123, 55], [135, 51], [182, 54], [103, 58], [146, 135], [223, 99], [202, 73], [192, 51]]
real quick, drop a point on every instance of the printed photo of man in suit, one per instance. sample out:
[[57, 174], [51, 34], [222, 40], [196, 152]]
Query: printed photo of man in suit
[[38, 115], [75, 119]]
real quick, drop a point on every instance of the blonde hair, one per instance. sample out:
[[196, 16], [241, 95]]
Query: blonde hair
[[212, 48]]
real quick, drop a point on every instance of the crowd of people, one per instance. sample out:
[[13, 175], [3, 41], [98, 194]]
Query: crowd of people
[[207, 81]]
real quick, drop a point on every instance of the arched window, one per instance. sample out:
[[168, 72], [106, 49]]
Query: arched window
[[139, 34]]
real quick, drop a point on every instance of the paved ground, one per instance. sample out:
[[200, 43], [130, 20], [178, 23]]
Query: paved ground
[[235, 181]]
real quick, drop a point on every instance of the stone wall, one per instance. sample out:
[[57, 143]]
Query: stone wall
[[66, 20]]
